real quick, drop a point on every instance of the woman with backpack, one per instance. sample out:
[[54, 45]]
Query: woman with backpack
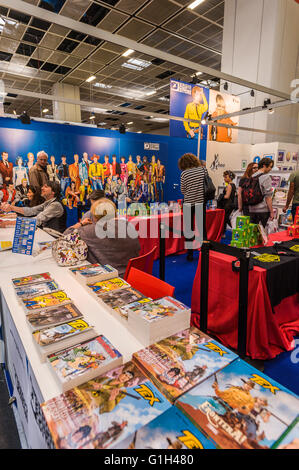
[[226, 200], [251, 169]]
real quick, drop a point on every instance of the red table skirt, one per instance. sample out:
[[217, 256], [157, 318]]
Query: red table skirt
[[175, 243], [268, 333]]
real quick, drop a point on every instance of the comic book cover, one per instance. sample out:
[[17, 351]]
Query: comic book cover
[[240, 408], [92, 270], [137, 306], [30, 279], [171, 430], [103, 411], [59, 332], [157, 309], [36, 289], [84, 361], [45, 301], [120, 298], [53, 316], [181, 361], [290, 438], [102, 287]]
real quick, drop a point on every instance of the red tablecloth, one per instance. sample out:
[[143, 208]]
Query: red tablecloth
[[268, 333], [175, 243]]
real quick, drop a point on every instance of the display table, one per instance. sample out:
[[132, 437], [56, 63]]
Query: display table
[[268, 333], [148, 230], [32, 380]]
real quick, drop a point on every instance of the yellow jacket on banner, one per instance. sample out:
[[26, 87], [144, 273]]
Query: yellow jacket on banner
[[195, 110]]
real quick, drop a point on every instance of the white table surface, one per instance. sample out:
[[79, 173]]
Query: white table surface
[[15, 265]]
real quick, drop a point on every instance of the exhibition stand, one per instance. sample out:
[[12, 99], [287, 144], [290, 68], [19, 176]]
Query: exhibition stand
[[270, 330]]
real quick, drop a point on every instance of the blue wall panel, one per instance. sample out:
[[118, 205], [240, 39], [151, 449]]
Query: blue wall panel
[[57, 139]]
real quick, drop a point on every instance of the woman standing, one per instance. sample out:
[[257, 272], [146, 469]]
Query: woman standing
[[250, 170], [192, 187], [226, 200]]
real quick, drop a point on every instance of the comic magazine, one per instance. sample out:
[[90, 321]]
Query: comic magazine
[[39, 288], [94, 273], [76, 365], [26, 280], [171, 430], [181, 361], [103, 411], [116, 300], [241, 408], [157, 309], [53, 316], [101, 287], [62, 336], [42, 302]]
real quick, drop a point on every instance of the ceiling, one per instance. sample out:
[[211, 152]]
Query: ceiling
[[35, 54]]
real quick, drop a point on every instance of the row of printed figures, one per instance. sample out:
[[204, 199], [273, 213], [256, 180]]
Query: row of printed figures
[[142, 181]]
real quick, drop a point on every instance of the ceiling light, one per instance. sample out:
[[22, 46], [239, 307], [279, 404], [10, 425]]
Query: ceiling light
[[198, 73], [153, 92], [129, 123], [91, 79], [92, 116], [195, 4], [102, 85], [14, 111], [271, 111], [128, 52], [139, 132], [45, 110], [203, 122]]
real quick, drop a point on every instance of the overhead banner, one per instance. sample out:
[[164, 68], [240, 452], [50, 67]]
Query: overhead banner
[[196, 102]]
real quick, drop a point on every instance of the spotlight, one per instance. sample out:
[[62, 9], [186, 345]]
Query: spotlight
[[225, 86], [24, 118], [267, 101], [271, 111], [252, 93], [194, 80], [122, 129]]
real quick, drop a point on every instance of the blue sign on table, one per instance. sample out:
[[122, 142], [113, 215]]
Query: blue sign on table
[[24, 236]]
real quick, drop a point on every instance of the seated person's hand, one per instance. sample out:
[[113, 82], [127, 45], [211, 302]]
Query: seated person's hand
[[5, 207], [86, 221]]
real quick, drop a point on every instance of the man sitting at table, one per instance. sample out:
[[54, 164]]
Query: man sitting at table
[[110, 240], [49, 214]]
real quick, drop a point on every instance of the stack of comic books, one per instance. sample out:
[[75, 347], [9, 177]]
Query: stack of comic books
[[114, 301], [56, 323], [50, 340], [152, 320], [181, 361], [86, 360], [239, 407], [91, 273], [104, 411], [171, 430], [97, 289]]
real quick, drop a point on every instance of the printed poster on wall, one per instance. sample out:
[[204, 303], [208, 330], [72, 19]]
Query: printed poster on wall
[[191, 102], [219, 105]]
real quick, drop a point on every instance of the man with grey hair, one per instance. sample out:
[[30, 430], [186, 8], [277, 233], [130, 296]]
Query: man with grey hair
[[38, 175]]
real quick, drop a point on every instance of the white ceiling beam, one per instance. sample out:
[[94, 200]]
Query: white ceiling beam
[[43, 96], [61, 20]]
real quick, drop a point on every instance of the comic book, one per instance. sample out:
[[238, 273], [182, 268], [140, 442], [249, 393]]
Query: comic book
[[94, 273], [102, 287], [181, 361], [43, 302], [103, 411], [78, 364], [36, 289], [240, 408], [62, 336], [30, 279], [115, 300], [53, 316], [156, 319], [171, 430]]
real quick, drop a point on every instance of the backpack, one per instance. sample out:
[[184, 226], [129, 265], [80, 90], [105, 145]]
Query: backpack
[[251, 191], [209, 188]]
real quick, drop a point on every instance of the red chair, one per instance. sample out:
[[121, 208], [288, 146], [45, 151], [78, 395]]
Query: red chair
[[143, 263], [149, 285]]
